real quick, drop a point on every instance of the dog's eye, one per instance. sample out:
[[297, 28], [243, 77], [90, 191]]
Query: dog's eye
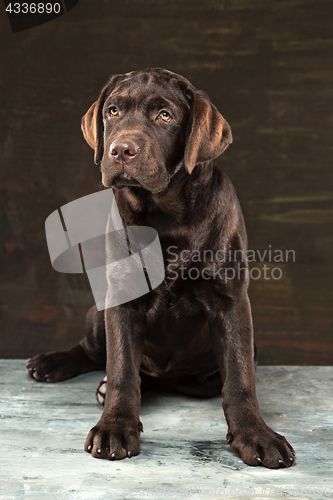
[[113, 111], [165, 116]]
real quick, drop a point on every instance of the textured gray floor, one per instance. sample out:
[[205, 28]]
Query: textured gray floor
[[183, 447]]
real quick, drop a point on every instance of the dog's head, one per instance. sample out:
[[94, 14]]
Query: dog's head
[[147, 124]]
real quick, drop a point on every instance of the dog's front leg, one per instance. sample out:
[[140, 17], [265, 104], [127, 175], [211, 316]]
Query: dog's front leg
[[117, 434], [248, 433]]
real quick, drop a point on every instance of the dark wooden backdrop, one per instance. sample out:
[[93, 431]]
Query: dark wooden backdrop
[[267, 65]]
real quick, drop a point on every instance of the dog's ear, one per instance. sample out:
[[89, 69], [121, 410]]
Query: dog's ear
[[208, 135], [92, 122]]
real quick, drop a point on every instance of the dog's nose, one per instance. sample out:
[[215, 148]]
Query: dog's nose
[[124, 150]]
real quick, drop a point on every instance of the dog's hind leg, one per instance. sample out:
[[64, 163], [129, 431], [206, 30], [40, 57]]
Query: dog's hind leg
[[88, 355]]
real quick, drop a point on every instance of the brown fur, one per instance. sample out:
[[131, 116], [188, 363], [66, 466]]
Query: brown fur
[[191, 336]]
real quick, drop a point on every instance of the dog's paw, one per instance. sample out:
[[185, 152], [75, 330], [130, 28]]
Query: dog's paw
[[115, 439], [56, 366], [101, 391], [262, 446]]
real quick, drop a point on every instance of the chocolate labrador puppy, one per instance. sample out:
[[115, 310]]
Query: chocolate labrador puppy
[[156, 136]]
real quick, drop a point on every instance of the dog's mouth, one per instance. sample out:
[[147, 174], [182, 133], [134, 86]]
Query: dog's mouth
[[123, 180]]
